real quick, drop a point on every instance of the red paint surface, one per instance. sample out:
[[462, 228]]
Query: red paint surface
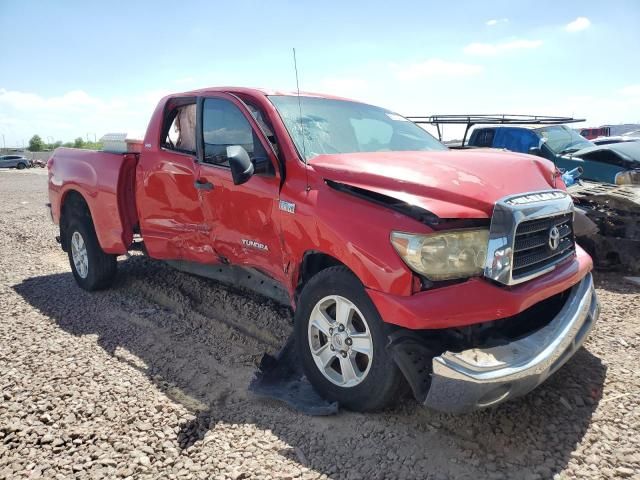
[[96, 176], [477, 300], [451, 184], [177, 221]]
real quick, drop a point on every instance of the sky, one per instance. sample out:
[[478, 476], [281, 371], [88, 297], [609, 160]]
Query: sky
[[76, 68]]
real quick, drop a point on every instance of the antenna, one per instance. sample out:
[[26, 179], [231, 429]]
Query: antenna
[[295, 66], [304, 149]]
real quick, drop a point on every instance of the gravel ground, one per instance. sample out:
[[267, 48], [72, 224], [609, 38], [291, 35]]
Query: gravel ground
[[149, 379]]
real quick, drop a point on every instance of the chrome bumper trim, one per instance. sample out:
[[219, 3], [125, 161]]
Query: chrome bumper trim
[[477, 378]]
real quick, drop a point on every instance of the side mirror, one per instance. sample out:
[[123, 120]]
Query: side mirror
[[240, 164], [537, 151]]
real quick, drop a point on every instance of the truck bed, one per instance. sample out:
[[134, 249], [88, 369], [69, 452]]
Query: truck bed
[[106, 181]]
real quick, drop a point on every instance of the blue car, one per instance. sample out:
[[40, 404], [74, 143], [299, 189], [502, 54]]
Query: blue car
[[617, 163]]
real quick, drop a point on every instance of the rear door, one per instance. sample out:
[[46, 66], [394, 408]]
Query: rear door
[[243, 220]]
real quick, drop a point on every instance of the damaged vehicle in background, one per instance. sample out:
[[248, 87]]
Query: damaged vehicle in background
[[631, 137], [625, 155], [547, 137], [607, 194], [404, 261]]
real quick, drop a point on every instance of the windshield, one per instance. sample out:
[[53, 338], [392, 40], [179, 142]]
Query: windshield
[[340, 126], [561, 139]]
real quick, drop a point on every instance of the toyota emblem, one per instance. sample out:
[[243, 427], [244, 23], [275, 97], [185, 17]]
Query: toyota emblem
[[554, 238]]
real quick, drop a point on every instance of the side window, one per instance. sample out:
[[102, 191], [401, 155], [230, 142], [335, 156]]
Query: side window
[[181, 131], [515, 139], [484, 137], [224, 125]]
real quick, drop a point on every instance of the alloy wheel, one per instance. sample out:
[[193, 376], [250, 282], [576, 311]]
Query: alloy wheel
[[340, 341]]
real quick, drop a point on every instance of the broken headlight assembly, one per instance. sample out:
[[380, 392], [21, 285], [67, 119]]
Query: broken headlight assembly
[[443, 255], [630, 177]]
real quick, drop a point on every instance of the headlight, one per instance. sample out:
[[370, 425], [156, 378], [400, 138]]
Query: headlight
[[631, 177], [443, 256]]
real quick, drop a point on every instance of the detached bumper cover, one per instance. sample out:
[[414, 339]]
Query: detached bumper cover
[[476, 378]]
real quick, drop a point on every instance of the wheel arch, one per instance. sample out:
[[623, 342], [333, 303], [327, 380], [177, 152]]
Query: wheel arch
[[313, 262], [73, 204]]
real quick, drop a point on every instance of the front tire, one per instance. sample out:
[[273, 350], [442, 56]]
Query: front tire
[[341, 340], [91, 267], [21, 166]]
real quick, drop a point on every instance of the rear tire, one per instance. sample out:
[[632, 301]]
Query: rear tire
[[326, 335], [91, 267]]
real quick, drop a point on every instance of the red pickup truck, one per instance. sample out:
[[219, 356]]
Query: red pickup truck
[[404, 261]]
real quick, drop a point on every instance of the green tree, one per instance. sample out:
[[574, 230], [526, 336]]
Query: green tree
[[36, 144], [93, 145], [78, 142]]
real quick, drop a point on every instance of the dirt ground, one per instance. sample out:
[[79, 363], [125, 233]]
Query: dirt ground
[[148, 380]]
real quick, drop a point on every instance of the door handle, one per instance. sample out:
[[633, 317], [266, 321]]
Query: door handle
[[202, 184]]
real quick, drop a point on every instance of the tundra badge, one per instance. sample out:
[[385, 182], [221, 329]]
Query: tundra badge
[[255, 244]]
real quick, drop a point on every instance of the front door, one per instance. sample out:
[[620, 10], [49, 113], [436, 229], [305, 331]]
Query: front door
[[243, 220]]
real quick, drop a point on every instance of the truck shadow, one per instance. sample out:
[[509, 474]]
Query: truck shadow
[[533, 436]]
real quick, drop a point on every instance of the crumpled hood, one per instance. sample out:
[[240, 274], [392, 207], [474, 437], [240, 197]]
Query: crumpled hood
[[450, 184], [622, 154]]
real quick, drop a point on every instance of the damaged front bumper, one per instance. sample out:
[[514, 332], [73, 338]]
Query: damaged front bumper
[[462, 379], [481, 377]]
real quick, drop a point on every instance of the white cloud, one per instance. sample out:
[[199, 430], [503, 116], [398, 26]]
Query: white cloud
[[435, 67], [631, 90], [75, 99], [495, 21], [580, 23], [491, 49], [72, 114]]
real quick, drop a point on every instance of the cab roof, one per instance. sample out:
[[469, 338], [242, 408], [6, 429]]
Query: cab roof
[[259, 92]]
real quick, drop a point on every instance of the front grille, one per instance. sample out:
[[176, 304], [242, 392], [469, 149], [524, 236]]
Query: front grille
[[531, 248]]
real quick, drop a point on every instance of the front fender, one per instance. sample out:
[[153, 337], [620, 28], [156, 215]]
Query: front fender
[[353, 231]]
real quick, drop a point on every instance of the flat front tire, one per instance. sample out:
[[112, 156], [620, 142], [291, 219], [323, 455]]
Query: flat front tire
[[21, 166], [91, 267], [341, 340]]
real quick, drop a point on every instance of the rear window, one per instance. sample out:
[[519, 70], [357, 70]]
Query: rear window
[[483, 137], [179, 129]]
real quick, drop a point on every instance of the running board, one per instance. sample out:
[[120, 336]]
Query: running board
[[235, 276]]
